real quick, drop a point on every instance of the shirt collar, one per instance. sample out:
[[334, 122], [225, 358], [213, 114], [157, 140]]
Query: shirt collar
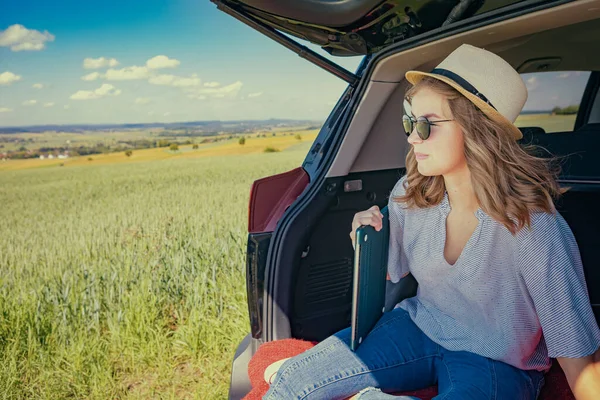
[[445, 208]]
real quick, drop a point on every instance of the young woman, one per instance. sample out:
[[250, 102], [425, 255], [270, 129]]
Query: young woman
[[501, 285]]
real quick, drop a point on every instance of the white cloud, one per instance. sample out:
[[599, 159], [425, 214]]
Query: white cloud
[[191, 84], [255, 94], [160, 62], [151, 113], [127, 74], [7, 78], [532, 83], [19, 38], [67, 107], [177, 81], [108, 90], [92, 76], [29, 102], [186, 82], [196, 96], [48, 105], [167, 114], [142, 100], [231, 90], [105, 90], [564, 75], [5, 110], [97, 63], [162, 79], [37, 86]]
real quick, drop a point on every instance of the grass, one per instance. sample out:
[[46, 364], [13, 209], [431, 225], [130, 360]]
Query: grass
[[127, 280], [550, 123]]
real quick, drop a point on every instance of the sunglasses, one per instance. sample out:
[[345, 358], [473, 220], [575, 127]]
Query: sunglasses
[[422, 123]]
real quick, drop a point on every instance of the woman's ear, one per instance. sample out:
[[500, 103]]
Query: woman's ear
[[407, 107]]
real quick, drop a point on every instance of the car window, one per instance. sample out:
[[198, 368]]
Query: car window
[[553, 100], [595, 112]]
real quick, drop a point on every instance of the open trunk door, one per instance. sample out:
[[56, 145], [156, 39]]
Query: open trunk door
[[350, 27]]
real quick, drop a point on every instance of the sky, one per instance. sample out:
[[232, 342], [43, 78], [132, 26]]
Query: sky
[[88, 62], [72, 61]]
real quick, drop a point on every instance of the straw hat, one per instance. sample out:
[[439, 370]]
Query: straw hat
[[487, 80]]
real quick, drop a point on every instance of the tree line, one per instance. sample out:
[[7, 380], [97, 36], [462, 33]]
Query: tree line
[[566, 110], [88, 150]]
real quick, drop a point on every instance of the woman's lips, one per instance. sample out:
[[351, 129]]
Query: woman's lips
[[420, 156]]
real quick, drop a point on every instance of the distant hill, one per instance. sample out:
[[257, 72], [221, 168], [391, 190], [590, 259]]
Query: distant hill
[[536, 112], [194, 126]]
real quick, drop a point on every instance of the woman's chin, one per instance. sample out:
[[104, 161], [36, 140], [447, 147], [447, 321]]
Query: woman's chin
[[424, 170]]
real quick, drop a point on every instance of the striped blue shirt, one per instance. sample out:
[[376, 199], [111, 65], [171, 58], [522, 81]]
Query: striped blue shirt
[[519, 299]]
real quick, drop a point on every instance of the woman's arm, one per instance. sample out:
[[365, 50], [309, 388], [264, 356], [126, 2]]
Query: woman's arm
[[553, 272], [583, 375]]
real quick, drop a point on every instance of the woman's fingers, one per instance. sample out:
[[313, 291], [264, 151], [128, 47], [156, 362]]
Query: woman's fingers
[[371, 220], [371, 217], [376, 208]]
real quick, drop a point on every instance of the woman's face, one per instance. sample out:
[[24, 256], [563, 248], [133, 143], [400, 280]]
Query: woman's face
[[443, 152]]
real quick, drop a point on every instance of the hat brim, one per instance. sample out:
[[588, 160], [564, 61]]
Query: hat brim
[[415, 77]]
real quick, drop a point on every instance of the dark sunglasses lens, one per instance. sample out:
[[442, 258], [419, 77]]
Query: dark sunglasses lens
[[408, 126], [423, 128]]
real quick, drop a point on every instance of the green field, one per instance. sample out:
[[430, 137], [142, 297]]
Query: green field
[[550, 123], [126, 280]]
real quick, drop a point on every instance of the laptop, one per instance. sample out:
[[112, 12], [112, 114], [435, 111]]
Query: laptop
[[369, 283]]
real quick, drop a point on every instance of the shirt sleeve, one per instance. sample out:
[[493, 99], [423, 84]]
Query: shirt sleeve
[[396, 268], [551, 267]]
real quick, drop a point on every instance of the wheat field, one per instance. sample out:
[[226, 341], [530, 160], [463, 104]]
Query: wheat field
[[127, 279]]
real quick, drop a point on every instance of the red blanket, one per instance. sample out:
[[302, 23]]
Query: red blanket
[[556, 387]]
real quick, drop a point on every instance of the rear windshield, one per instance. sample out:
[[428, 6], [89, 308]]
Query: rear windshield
[[554, 99]]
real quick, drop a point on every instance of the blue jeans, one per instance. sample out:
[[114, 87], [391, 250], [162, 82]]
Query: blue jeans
[[398, 356]]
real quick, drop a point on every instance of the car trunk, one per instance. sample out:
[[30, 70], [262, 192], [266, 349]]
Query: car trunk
[[320, 286], [300, 271]]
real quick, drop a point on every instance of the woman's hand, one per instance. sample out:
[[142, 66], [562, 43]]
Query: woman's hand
[[372, 217]]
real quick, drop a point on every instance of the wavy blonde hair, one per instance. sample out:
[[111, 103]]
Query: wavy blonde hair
[[509, 181]]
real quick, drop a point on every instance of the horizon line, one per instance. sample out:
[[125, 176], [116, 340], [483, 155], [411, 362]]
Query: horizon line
[[321, 120]]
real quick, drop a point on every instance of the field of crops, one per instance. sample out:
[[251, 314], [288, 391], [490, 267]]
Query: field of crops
[[126, 280], [253, 144], [550, 123]]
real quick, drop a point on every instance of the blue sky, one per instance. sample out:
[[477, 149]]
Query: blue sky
[[71, 61], [257, 78]]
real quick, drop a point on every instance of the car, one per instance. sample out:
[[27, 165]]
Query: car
[[299, 255]]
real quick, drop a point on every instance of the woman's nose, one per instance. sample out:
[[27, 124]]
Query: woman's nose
[[414, 137]]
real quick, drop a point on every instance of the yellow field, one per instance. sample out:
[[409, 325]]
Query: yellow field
[[253, 144], [550, 123]]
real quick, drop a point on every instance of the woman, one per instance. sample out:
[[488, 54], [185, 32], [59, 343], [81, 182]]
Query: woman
[[501, 285]]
